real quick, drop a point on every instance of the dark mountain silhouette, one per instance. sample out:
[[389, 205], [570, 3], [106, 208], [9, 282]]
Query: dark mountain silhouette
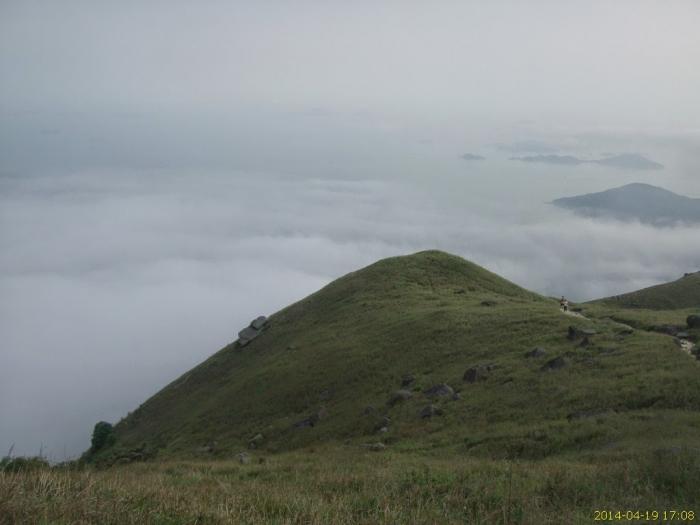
[[642, 202]]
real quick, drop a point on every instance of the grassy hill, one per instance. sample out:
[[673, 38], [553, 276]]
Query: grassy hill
[[326, 369], [304, 424], [682, 293]]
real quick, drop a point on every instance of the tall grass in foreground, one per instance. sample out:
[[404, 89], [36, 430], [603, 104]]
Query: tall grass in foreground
[[344, 487]]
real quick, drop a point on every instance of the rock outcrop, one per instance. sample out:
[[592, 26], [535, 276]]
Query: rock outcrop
[[250, 332]]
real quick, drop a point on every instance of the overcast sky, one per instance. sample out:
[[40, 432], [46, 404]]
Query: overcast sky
[[171, 170]]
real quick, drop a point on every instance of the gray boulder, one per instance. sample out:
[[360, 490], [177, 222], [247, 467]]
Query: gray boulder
[[555, 364], [246, 335], [440, 390], [477, 373], [259, 322], [252, 331], [399, 396], [243, 458], [256, 441], [375, 447], [536, 352], [313, 419]]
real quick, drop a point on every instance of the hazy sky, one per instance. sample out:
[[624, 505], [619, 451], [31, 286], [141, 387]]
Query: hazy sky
[[171, 170]]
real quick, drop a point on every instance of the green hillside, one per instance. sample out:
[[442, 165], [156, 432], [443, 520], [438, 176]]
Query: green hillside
[[682, 293], [327, 369]]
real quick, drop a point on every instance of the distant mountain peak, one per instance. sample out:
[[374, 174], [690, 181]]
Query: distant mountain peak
[[635, 201]]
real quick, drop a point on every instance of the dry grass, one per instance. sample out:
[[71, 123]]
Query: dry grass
[[350, 487]]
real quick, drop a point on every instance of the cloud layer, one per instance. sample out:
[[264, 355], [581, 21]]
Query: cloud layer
[[113, 283]]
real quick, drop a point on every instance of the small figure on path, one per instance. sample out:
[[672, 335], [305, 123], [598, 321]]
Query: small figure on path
[[564, 304]]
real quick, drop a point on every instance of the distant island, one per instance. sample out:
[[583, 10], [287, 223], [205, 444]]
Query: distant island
[[623, 161], [642, 202], [471, 156]]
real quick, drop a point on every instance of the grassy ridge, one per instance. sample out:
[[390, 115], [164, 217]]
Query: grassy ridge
[[682, 293], [432, 315]]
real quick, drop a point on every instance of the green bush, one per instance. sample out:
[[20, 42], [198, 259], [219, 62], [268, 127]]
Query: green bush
[[23, 464], [102, 436]]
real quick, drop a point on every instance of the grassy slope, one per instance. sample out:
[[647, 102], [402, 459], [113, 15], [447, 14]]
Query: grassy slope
[[682, 293], [356, 338]]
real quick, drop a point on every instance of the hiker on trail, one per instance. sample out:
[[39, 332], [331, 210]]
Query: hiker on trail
[[564, 304]]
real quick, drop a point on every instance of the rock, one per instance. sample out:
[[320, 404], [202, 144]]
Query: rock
[[407, 380], [682, 335], [456, 396], [252, 331], [206, 449], [585, 341], [555, 364], [313, 419], [305, 423], [259, 323], [399, 396], [375, 447], [488, 303], [383, 430], [575, 332], [693, 321], [477, 373], [256, 440], [668, 329], [536, 352], [430, 411], [246, 335], [369, 409], [243, 458], [384, 422], [440, 390]]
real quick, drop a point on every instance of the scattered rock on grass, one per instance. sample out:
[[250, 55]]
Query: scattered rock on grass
[[555, 364], [399, 396], [536, 352], [243, 458], [477, 373], [440, 390], [256, 441]]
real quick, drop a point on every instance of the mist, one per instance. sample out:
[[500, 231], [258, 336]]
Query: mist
[[168, 171]]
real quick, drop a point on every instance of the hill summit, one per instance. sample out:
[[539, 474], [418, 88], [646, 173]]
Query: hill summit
[[415, 353]]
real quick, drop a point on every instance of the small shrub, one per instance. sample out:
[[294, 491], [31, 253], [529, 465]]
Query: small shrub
[[23, 464], [102, 436]]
